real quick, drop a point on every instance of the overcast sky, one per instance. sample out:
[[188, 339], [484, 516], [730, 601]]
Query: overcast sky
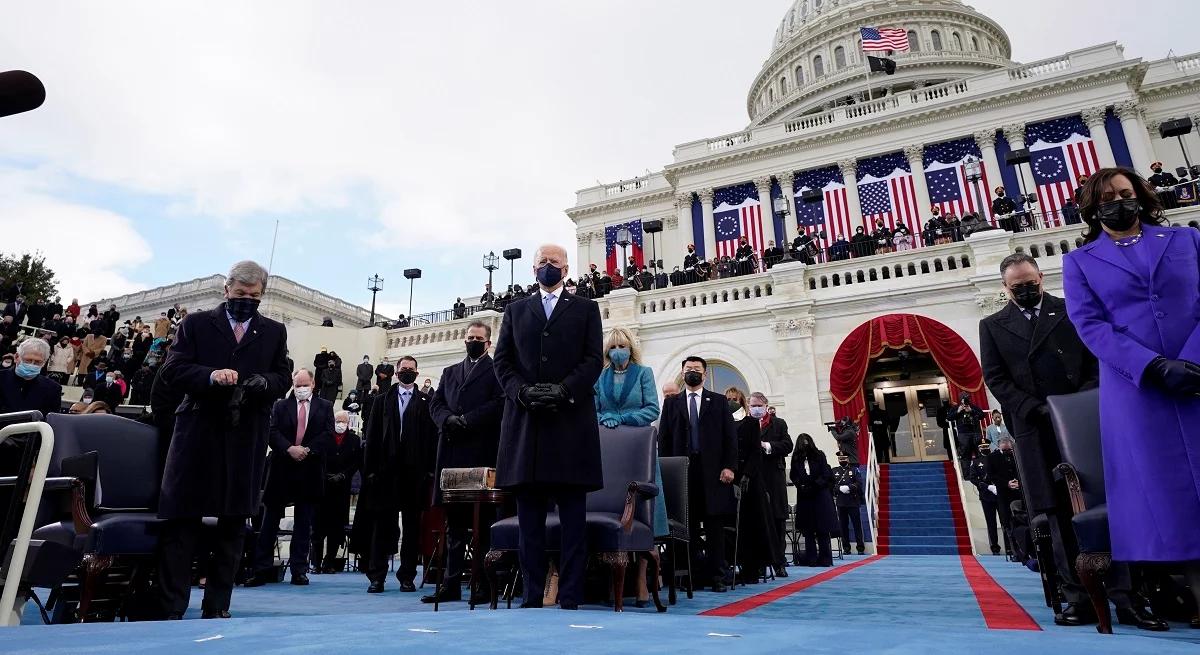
[[386, 135]]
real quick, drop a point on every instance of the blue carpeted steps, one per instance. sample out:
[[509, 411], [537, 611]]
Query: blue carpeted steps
[[919, 514]]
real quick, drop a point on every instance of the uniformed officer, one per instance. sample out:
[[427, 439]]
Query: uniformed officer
[[979, 473], [690, 260], [1160, 179], [848, 496]]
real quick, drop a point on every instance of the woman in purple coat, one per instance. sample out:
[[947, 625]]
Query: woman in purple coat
[[1133, 293]]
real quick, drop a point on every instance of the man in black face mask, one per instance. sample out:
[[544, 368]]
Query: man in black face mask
[[467, 406], [215, 463], [690, 261], [1159, 179], [1029, 350]]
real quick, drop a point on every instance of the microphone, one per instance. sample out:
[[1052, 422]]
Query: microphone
[[20, 92]]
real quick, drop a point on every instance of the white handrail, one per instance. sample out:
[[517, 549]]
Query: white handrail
[[962, 488], [872, 492], [8, 600]]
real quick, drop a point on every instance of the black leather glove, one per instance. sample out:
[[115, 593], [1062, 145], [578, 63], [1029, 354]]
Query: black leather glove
[[455, 424], [335, 477], [539, 397], [255, 383], [554, 394], [1177, 376]]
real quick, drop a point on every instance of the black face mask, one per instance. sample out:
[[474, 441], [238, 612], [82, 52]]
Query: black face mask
[[406, 377], [693, 378], [1027, 294], [475, 349], [242, 309], [734, 406], [1119, 215], [549, 275]]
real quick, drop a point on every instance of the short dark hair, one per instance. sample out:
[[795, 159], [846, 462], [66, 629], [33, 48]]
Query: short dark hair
[[408, 358], [487, 329], [1015, 259], [694, 358]]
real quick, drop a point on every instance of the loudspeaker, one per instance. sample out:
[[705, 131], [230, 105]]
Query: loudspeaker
[[412, 273], [512, 253], [1017, 157], [650, 227], [1176, 127], [812, 195]]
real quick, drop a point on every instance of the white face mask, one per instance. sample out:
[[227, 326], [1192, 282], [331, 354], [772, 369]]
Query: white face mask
[[302, 393], [339, 427], [758, 412]]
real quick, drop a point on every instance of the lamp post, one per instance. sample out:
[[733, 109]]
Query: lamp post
[[624, 238], [781, 208], [374, 285], [974, 174], [490, 263], [411, 274], [512, 255]]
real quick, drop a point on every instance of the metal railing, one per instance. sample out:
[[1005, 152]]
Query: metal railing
[[962, 489], [10, 615], [871, 492]]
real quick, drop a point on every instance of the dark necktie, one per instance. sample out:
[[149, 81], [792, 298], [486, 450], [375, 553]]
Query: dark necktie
[[694, 424], [1032, 315]]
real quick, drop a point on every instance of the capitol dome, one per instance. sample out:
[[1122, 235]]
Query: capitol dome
[[816, 61]]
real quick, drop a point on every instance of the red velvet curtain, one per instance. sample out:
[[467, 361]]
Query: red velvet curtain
[[868, 341]]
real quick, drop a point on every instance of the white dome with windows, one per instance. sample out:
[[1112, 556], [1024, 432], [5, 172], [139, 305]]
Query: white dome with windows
[[817, 63]]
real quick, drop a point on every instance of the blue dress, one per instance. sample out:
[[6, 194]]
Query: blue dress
[[632, 399]]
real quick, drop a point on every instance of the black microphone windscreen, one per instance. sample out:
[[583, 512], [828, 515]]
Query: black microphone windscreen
[[19, 92]]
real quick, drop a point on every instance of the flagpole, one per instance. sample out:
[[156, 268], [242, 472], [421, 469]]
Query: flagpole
[[867, 61]]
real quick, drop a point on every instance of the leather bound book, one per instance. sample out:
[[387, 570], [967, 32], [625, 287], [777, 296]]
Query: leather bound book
[[480, 477]]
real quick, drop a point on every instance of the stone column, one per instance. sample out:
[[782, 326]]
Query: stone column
[[849, 168], [1094, 117], [788, 189], [916, 163], [683, 233], [1015, 134], [986, 140], [585, 240], [596, 252], [763, 184], [670, 249], [1134, 126], [710, 234]]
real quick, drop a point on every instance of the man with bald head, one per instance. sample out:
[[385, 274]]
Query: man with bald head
[[548, 357]]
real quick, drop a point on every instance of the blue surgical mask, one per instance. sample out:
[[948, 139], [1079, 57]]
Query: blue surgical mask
[[28, 371], [549, 275], [618, 356]]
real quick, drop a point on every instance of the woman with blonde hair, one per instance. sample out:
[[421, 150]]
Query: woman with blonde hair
[[626, 395], [756, 529]]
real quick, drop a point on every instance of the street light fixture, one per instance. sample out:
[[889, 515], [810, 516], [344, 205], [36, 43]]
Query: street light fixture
[[974, 173], [781, 208], [624, 238], [512, 255], [411, 274], [490, 263], [374, 285]]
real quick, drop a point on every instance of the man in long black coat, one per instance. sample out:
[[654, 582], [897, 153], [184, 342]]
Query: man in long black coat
[[548, 357], [215, 465], [697, 424], [466, 406], [333, 513], [296, 476], [398, 461], [363, 375], [776, 446]]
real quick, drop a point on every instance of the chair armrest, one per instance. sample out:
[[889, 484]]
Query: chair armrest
[[1068, 473], [635, 491], [78, 497]]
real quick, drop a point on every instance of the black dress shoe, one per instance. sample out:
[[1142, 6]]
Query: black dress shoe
[[174, 616], [216, 614], [258, 580], [531, 604], [1142, 618], [449, 594], [375, 588], [567, 606], [407, 586], [862, 550], [718, 586], [781, 572], [1076, 614], [300, 579]]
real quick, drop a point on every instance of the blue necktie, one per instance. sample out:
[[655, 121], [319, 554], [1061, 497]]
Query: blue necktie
[[403, 406], [694, 423], [548, 304]]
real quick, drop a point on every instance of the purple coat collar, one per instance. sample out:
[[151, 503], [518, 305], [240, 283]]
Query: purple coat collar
[[1157, 239]]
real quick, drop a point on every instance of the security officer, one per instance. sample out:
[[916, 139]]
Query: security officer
[[690, 261], [848, 496], [980, 474], [1160, 179]]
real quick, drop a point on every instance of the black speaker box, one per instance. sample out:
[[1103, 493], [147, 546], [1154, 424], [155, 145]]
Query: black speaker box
[[1176, 127], [1017, 157], [650, 227]]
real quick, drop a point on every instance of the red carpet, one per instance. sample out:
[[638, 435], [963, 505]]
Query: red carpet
[[1000, 611], [881, 542], [746, 604]]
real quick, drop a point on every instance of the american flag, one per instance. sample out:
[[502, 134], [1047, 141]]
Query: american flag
[[736, 213], [946, 175], [1059, 152], [612, 251], [832, 214], [886, 192], [879, 39]]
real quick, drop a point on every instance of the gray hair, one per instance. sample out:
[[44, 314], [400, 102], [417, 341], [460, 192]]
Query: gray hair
[[341, 415], [246, 272], [761, 396], [36, 345], [307, 372], [1006, 437]]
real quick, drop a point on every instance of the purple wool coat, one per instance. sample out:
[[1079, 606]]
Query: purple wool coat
[[1151, 440]]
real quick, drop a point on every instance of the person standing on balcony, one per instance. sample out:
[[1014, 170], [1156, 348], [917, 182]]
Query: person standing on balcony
[[882, 237], [690, 261]]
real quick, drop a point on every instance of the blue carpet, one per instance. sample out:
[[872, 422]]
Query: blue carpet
[[919, 511]]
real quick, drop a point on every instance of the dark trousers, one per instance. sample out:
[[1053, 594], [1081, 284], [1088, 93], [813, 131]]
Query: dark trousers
[[176, 549], [716, 540], [781, 541], [382, 547], [264, 550], [991, 509], [883, 447], [1118, 584], [848, 516], [325, 548], [817, 549], [532, 507], [459, 519]]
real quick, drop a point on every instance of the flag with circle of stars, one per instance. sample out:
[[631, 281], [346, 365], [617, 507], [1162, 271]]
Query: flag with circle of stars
[[1060, 152], [737, 212], [946, 177], [612, 251]]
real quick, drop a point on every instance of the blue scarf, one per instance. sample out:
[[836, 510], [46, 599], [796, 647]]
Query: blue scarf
[[608, 393]]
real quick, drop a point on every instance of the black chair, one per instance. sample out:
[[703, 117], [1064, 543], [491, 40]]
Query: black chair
[[117, 460], [1076, 419], [675, 493], [1035, 457], [618, 516]]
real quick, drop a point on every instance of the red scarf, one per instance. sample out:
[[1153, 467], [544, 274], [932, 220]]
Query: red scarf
[[764, 421], [338, 438]]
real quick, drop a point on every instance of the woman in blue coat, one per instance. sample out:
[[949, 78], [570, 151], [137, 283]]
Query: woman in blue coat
[[1133, 293], [626, 395]]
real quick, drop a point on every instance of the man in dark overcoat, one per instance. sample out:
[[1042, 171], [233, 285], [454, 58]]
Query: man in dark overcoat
[[548, 358], [466, 406], [230, 364]]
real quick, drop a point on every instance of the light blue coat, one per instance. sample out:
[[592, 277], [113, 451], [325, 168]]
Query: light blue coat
[[636, 404]]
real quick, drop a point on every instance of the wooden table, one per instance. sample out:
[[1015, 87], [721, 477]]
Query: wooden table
[[477, 498]]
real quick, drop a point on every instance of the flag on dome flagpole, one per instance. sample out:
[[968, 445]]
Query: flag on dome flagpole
[[946, 177], [1059, 152], [883, 39], [886, 192], [832, 214], [737, 213], [612, 251]]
